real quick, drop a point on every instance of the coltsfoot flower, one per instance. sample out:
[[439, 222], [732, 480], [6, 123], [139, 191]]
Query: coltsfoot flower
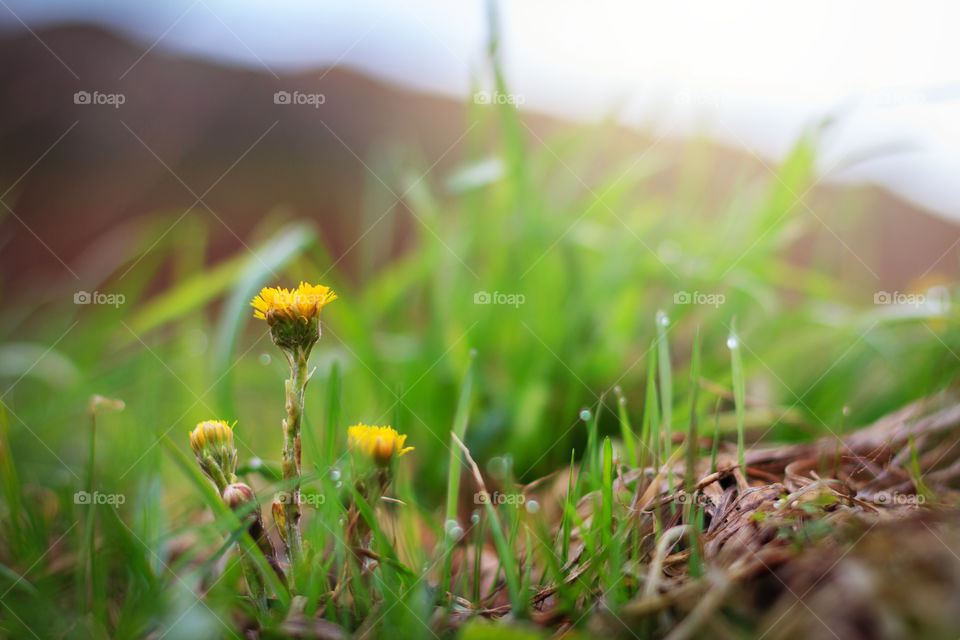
[[212, 444], [380, 444], [293, 315]]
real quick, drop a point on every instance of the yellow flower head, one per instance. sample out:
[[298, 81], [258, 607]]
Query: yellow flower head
[[211, 434], [212, 444], [277, 304], [381, 444]]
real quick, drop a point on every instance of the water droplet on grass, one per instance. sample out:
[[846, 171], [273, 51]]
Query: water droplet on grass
[[585, 414], [732, 342], [533, 506], [264, 359], [453, 529]]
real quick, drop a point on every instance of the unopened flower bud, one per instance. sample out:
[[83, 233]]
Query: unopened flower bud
[[237, 494], [212, 444]]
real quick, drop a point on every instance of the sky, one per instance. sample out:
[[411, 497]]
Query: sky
[[754, 75]]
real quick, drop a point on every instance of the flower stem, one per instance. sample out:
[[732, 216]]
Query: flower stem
[[291, 450]]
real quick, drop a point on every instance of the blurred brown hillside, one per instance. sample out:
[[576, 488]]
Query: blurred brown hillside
[[73, 172]]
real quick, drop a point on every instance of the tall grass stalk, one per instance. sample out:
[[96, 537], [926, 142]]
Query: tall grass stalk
[[739, 390]]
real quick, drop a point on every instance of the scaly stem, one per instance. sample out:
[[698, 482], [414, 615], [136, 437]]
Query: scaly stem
[[291, 450]]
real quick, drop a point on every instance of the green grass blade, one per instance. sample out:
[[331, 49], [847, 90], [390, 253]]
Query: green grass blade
[[606, 512], [666, 389], [739, 389], [691, 444], [626, 430], [332, 425], [453, 478]]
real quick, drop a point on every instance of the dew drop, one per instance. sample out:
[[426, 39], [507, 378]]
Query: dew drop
[[475, 518], [451, 527], [264, 359], [532, 506], [662, 318], [334, 473], [846, 410], [585, 414], [732, 342], [255, 463], [338, 484]]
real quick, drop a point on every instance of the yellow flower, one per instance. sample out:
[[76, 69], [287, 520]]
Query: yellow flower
[[211, 434], [275, 304], [380, 443], [212, 444]]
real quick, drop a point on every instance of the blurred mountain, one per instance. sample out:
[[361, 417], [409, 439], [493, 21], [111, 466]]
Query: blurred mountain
[[192, 129]]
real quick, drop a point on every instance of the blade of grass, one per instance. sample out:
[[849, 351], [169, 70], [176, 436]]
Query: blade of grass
[[739, 389], [568, 505], [691, 444], [499, 539], [666, 389], [626, 430], [333, 414], [453, 478], [606, 512], [651, 426]]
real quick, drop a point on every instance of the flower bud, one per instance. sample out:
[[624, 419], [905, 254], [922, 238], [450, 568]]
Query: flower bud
[[212, 444], [237, 494]]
